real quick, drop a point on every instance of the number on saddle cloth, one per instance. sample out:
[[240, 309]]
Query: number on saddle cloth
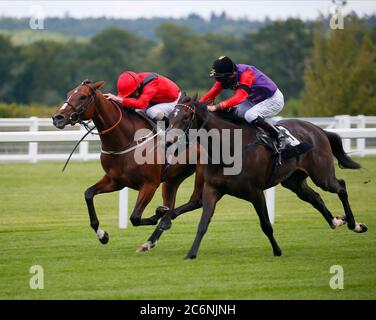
[[293, 149]]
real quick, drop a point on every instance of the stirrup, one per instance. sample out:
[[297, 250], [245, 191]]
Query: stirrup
[[278, 151]]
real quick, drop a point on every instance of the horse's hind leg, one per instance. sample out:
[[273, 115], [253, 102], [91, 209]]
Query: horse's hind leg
[[145, 195], [298, 184], [338, 186], [169, 190], [258, 201], [102, 186], [329, 182]]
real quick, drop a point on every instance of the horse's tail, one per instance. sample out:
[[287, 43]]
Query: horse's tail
[[344, 160]]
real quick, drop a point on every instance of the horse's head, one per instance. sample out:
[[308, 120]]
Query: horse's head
[[182, 117], [79, 106]]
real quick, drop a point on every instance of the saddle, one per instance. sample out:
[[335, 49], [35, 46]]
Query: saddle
[[155, 129], [288, 151], [152, 122]]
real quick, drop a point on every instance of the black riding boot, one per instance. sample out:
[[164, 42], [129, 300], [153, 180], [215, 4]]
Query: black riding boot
[[271, 130]]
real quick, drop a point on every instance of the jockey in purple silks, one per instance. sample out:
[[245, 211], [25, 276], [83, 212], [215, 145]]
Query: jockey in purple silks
[[256, 96]]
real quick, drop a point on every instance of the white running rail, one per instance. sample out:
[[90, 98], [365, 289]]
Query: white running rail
[[358, 128]]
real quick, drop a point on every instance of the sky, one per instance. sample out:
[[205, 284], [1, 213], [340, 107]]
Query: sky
[[250, 9]]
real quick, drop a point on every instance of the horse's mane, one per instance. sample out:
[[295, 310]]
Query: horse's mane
[[228, 116]]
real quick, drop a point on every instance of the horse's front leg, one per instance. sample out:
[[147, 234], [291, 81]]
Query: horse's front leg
[[169, 190], [169, 196], [145, 195], [102, 186], [210, 198]]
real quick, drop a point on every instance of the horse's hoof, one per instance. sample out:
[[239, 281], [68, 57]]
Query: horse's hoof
[[190, 256], [338, 221], [277, 253], [146, 247], [364, 227], [105, 238], [360, 228]]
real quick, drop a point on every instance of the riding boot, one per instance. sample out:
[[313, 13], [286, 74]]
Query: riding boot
[[272, 131]]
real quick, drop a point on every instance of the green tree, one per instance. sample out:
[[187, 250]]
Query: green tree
[[341, 76], [8, 61], [280, 50], [42, 75], [110, 53], [185, 56]]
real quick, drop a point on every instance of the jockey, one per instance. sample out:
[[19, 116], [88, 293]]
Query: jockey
[[256, 96], [147, 90]]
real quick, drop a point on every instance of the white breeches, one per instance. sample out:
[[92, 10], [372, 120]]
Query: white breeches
[[160, 110], [268, 108]]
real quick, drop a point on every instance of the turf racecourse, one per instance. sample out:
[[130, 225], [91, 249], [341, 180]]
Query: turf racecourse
[[44, 221]]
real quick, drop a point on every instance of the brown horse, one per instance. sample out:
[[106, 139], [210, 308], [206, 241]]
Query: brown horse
[[257, 168], [117, 128]]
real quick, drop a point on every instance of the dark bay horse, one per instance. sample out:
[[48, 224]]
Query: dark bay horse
[[257, 164], [117, 128]]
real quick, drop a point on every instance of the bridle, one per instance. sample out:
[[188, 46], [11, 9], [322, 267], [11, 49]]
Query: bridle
[[75, 117], [193, 111], [79, 111]]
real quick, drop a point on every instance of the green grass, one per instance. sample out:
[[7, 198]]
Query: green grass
[[44, 221]]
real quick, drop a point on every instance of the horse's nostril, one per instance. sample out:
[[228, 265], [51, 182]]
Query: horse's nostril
[[58, 121], [58, 117]]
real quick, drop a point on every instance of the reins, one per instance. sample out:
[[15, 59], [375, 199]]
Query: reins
[[117, 123]]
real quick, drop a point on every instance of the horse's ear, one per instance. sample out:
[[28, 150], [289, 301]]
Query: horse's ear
[[194, 98], [98, 84], [182, 96]]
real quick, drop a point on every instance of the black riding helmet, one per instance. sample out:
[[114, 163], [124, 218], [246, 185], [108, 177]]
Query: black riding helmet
[[223, 70]]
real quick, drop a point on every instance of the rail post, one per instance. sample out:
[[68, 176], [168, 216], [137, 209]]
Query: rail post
[[84, 147], [344, 122], [123, 208], [361, 142], [33, 146]]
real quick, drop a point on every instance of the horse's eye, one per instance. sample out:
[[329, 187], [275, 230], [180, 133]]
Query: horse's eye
[[83, 97]]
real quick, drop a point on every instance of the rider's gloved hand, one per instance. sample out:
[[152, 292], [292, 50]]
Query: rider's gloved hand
[[110, 96], [216, 107]]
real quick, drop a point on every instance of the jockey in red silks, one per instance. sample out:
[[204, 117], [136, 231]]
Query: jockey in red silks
[[155, 93], [256, 96]]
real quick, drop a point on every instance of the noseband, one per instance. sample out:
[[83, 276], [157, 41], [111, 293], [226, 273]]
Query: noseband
[[192, 117], [75, 117]]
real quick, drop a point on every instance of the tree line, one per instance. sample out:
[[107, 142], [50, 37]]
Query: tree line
[[320, 71]]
